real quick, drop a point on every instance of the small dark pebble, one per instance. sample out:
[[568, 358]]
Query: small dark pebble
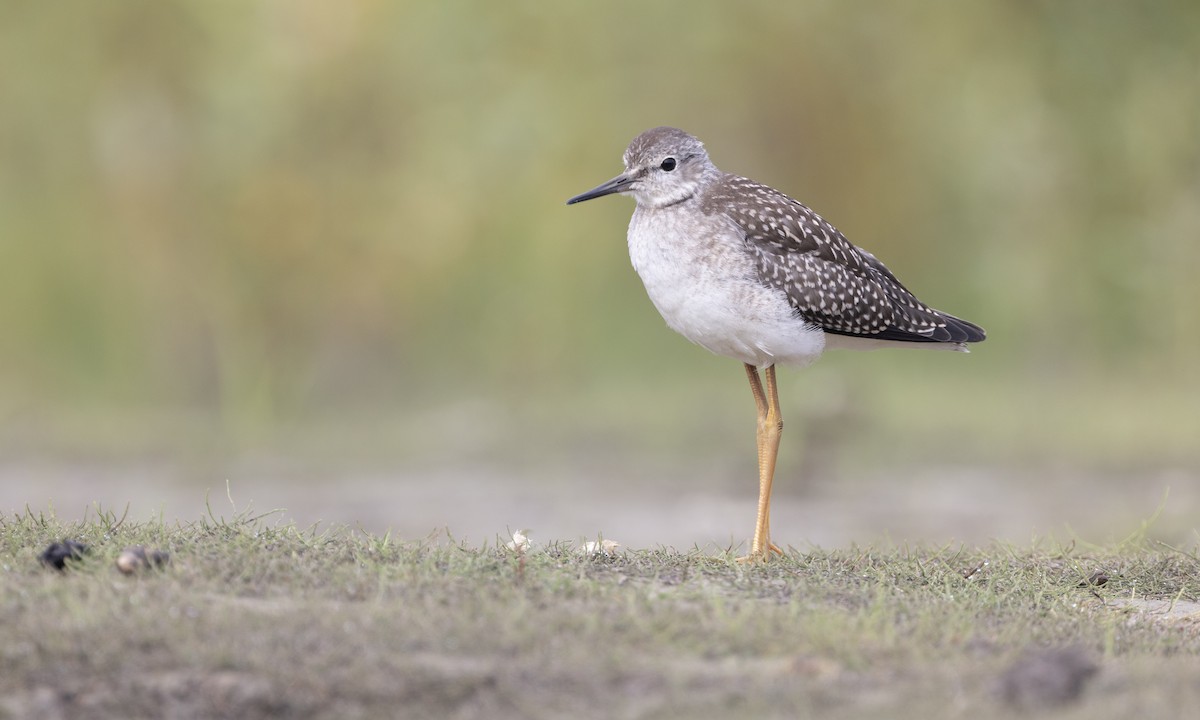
[[1048, 677], [133, 559], [57, 555]]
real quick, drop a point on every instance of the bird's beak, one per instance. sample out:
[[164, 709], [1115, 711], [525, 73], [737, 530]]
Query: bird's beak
[[620, 183]]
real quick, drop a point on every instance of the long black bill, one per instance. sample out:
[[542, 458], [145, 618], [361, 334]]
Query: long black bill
[[616, 185]]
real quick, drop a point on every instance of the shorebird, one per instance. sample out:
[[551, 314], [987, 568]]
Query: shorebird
[[747, 272]]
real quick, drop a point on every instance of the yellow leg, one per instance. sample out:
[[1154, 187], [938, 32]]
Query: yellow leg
[[770, 429]]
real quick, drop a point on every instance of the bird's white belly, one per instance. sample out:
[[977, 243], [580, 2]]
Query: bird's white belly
[[708, 291]]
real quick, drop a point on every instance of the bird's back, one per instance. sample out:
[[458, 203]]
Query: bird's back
[[830, 282]]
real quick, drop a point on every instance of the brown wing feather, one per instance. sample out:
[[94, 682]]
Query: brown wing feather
[[827, 279]]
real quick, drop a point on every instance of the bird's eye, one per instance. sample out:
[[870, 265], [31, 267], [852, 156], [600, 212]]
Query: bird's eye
[[668, 164]]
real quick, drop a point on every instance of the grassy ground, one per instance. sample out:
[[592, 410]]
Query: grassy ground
[[254, 618]]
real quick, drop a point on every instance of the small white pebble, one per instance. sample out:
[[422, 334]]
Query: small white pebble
[[603, 547], [520, 541]]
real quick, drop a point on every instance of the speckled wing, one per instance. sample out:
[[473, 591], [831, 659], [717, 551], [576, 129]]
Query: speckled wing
[[832, 283]]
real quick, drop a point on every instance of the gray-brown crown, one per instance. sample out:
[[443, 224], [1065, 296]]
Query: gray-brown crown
[[652, 146]]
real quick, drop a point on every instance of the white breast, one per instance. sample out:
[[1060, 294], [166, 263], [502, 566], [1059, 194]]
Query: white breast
[[706, 287]]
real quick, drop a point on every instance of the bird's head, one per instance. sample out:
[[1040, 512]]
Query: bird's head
[[663, 166]]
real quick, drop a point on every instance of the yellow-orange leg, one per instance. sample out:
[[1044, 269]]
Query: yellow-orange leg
[[770, 429]]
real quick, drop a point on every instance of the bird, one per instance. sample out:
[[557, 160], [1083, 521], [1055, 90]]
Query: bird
[[749, 273]]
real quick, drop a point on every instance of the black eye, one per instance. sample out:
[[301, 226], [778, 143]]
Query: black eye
[[668, 164]]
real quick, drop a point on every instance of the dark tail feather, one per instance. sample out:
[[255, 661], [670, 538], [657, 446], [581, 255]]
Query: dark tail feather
[[962, 331], [955, 330]]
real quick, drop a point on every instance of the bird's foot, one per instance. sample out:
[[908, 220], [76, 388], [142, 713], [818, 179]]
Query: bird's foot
[[761, 554]]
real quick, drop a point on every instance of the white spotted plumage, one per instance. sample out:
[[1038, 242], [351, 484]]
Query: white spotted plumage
[[749, 273]]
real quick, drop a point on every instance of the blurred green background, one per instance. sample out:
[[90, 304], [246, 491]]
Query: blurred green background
[[336, 232]]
